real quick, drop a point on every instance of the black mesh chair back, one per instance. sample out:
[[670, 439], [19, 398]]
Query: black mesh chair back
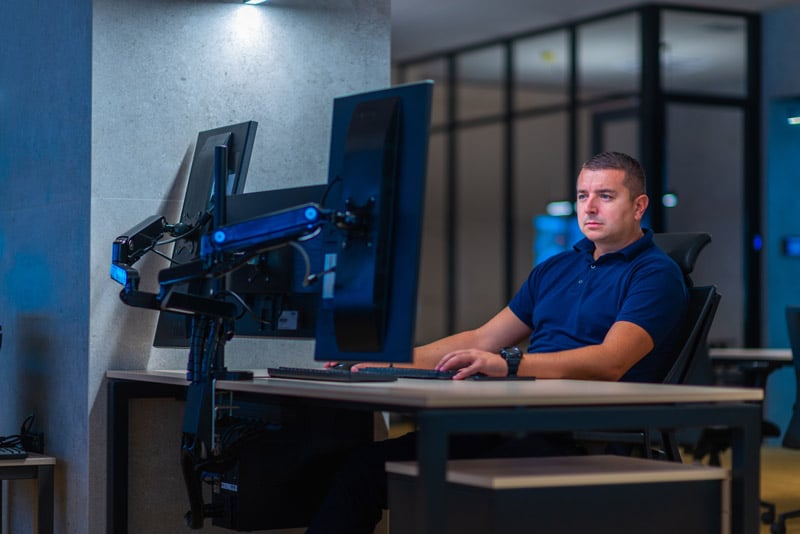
[[703, 303], [791, 438], [683, 248]]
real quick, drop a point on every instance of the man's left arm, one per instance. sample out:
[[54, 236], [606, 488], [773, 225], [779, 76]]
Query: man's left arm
[[625, 344]]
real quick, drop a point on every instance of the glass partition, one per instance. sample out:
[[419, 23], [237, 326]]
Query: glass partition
[[704, 53], [481, 87], [609, 56], [432, 297], [435, 70], [541, 70], [540, 166], [705, 172], [479, 229]]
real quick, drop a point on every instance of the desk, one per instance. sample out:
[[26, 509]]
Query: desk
[[442, 408], [756, 364], [39, 467], [778, 356]]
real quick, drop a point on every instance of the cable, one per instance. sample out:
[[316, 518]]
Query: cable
[[306, 259], [328, 190]]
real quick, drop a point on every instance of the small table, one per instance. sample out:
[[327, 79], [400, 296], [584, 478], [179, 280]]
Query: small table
[[35, 466]]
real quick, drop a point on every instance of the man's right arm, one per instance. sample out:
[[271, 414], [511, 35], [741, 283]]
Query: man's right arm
[[502, 330]]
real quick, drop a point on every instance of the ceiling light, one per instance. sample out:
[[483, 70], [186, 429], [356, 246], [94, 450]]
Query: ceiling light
[[793, 121], [254, 2]]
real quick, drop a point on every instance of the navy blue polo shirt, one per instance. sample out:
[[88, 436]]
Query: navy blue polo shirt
[[570, 301]]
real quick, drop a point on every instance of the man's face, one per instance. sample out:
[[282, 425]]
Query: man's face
[[607, 214]]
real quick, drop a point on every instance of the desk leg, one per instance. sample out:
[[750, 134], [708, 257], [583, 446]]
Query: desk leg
[[117, 472], [746, 473], [432, 448], [45, 516]]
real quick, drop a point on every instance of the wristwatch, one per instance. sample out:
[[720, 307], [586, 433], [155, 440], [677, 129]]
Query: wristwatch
[[512, 356]]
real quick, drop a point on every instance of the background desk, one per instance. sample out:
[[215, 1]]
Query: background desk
[[443, 408], [751, 367], [777, 356], [41, 468]]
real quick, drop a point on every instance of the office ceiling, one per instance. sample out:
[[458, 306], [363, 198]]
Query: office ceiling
[[421, 27]]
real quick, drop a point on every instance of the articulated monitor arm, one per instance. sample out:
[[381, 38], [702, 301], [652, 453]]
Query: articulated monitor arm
[[222, 250]]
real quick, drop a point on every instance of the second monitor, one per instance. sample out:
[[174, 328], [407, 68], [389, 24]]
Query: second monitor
[[377, 167]]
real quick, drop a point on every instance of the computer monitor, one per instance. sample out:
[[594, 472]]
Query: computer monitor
[[377, 168], [172, 329]]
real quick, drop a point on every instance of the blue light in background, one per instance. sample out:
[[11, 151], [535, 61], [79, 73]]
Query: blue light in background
[[758, 242]]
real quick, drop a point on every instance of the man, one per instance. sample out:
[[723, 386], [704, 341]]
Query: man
[[610, 309]]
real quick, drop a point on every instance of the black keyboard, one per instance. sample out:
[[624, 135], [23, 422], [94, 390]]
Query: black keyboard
[[430, 374], [12, 453], [405, 372], [329, 375]]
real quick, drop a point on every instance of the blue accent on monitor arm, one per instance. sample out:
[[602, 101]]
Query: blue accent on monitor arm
[[248, 238]]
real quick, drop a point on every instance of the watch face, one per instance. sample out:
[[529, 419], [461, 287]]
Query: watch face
[[512, 356]]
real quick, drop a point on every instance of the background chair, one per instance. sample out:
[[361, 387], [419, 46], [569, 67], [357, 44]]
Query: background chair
[[791, 438]]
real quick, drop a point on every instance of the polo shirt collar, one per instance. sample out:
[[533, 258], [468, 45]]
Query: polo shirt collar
[[585, 246]]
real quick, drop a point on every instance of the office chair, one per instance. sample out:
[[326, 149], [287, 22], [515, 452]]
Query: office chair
[[791, 438], [692, 358]]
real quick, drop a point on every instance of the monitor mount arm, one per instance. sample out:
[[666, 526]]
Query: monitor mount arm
[[222, 250]]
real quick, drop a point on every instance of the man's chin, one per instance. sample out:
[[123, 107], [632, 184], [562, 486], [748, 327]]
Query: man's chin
[[589, 230]]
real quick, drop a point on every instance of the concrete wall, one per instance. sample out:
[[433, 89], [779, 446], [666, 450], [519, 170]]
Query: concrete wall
[[45, 183], [101, 103]]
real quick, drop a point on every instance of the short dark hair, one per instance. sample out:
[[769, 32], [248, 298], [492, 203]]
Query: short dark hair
[[634, 173]]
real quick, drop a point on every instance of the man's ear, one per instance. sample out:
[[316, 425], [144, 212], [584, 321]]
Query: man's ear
[[640, 206]]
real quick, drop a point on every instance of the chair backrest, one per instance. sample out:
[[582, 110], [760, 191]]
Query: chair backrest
[[683, 248], [703, 303], [791, 438]]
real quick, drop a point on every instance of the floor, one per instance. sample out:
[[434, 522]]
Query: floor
[[780, 483]]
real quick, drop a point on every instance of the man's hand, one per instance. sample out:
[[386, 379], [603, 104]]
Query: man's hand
[[472, 361]]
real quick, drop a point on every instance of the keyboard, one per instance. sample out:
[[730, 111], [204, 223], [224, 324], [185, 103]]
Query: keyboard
[[12, 453], [329, 375], [430, 374], [405, 372]]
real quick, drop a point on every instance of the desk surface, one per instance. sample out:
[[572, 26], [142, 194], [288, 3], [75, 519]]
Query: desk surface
[[33, 459], [751, 354], [458, 394]]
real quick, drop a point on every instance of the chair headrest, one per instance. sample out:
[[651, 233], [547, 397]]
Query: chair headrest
[[683, 247]]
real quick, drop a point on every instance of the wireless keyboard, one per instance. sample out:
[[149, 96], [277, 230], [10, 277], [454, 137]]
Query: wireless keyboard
[[329, 375], [12, 453]]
